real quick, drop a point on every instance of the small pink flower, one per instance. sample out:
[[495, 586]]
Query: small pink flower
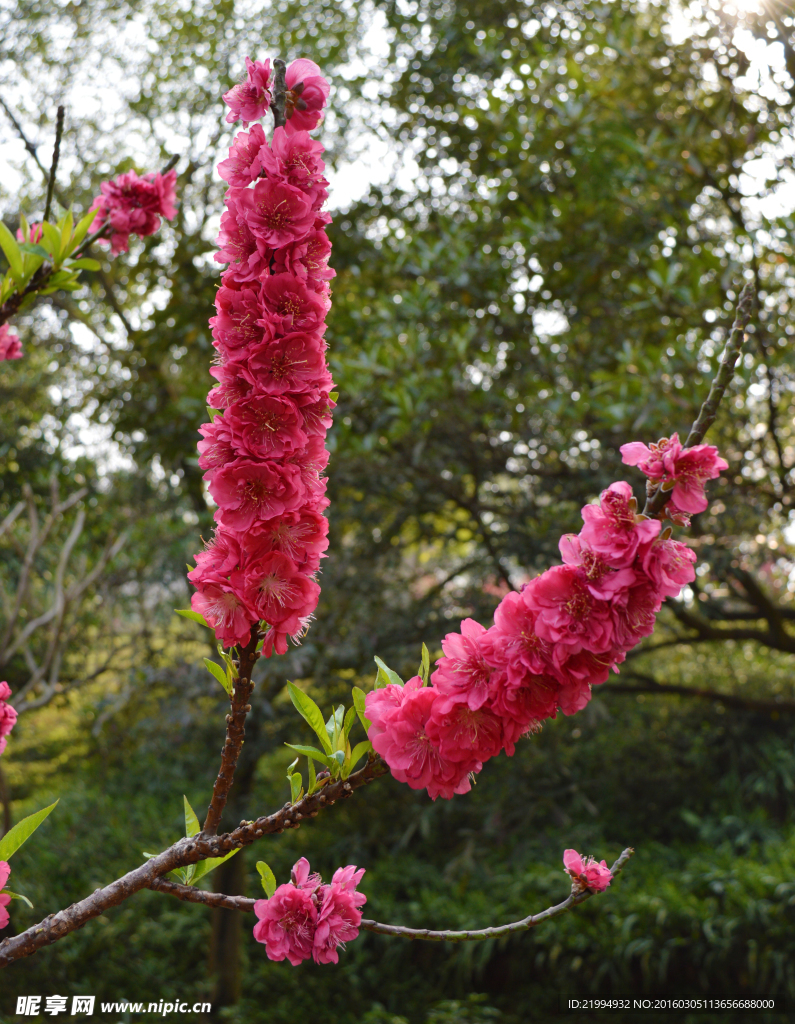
[[248, 257], [307, 259], [290, 306], [302, 876], [669, 566], [339, 917], [567, 613], [276, 213], [307, 92], [5, 871], [234, 384], [237, 322], [8, 716], [287, 923], [462, 734], [301, 535], [587, 874], [278, 592], [295, 159], [611, 528], [264, 426], [243, 164], [226, 611], [246, 491], [294, 363], [134, 205], [601, 579], [10, 346], [250, 100], [688, 468], [220, 557], [216, 448], [464, 671]]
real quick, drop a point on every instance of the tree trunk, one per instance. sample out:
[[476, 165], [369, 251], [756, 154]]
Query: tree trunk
[[226, 944]]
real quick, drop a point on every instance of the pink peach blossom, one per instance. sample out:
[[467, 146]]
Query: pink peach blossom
[[243, 164], [464, 670], [277, 590], [293, 363], [307, 94], [10, 346], [5, 871], [587, 873], [225, 611], [276, 213], [250, 100], [339, 917], [287, 923], [134, 205], [290, 306], [612, 528], [296, 160], [246, 491]]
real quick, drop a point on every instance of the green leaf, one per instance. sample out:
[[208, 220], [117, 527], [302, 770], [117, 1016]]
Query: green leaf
[[267, 878], [359, 703], [212, 413], [334, 727], [296, 787], [338, 757], [66, 225], [310, 712], [334, 395], [312, 784], [23, 223], [192, 826], [219, 674], [35, 250], [81, 230], [310, 752], [358, 753], [84, 263], [425, 666], [350, 718], [204, 867], [231, 667], [386, 676], [52, 238], [13, 253], [16, 896], [22, 831], [189, 613]]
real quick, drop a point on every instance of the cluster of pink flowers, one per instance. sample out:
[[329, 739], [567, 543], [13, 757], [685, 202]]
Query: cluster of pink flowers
[[548, 645], [8, 715], [306, 918], [586, 872], [683, 471], [307, 92], [10, 345], [5, 899], [134, 206], [264, 453]]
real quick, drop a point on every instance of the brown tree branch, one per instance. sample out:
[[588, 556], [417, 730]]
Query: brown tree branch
[[190, 894], [56, 153], [182, 853], [235, 732]]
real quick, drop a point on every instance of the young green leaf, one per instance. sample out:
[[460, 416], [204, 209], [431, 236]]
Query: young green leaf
[[34, 250], [296, 787], [66, 225], [347, 725], [16, 896], [334, 727], [192, 826], [338, 757], [231, 667], [425, 666], [359, 703], [310, 752], [308, 710], [358, 753], [52, 241], [84, 263], [312, 784], [212, 413], [219, 674], [13, 253], [189, 613], [22, 831], [267, 878], [205, 866], [386, 676], [25, 226], [81, 230]]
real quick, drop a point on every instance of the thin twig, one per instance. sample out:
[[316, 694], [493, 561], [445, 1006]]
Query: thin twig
[[658, 498], [33, 150], [216, 899], [56, 153]]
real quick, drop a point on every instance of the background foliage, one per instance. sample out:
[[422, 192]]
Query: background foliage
[[542, 267]]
